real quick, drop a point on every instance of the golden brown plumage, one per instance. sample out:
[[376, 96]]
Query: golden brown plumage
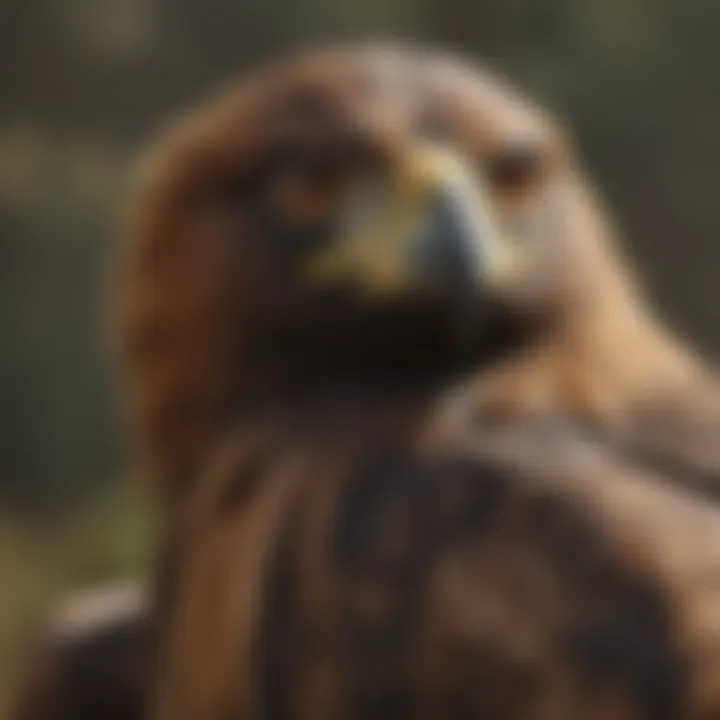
[[192, 286], [406, 413]]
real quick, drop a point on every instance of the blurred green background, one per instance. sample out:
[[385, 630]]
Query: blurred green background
[[83, 85]]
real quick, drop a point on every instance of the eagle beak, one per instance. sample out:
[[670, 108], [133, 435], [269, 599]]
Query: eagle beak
[[430, 230]]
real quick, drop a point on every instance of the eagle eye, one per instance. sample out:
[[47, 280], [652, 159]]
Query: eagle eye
[[305, 189], [515, 168]]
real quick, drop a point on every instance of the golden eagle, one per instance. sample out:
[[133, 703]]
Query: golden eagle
[[419, 447]]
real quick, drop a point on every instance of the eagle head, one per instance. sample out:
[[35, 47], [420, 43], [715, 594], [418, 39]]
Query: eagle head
[[359, 217]]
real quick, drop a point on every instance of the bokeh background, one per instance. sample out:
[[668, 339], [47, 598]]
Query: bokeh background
[[85, 83]]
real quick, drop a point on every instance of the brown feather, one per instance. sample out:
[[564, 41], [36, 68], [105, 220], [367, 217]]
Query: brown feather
[[420, 617]]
